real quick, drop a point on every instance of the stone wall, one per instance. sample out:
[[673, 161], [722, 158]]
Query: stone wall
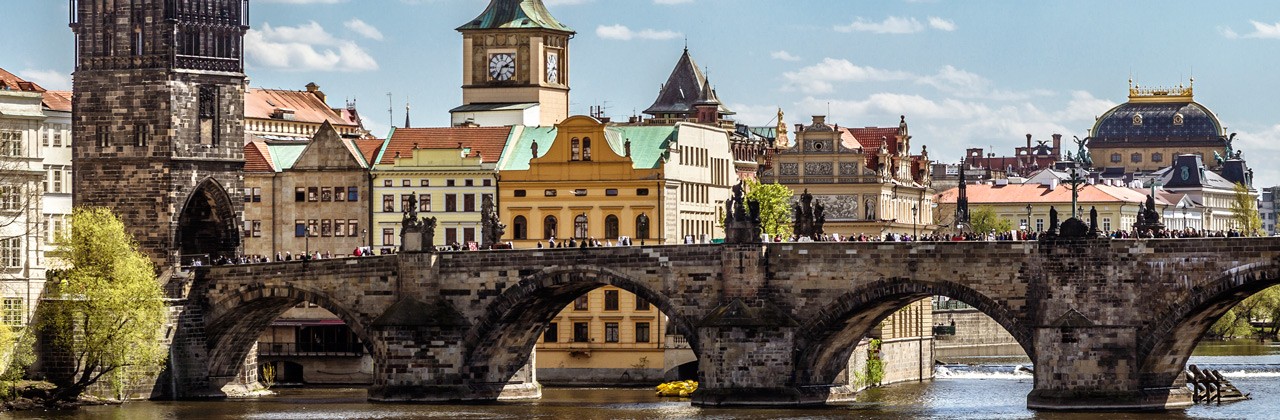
[[976, 335]]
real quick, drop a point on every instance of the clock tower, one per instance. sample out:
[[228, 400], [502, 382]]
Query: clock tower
[[515, 66]]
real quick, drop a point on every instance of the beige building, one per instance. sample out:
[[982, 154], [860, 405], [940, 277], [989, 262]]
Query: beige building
[[307, 197], [866, 178], [450, 170], [296, 115]]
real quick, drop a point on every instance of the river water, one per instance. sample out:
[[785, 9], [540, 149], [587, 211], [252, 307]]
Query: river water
[[985, 388]]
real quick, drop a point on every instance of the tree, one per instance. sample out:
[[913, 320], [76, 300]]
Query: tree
[[106, 309], [985, 220], [1244, 211], [775, 206]]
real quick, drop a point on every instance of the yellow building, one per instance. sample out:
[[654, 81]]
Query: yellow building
[[865, 178], [584, 179], [450, 170], [610, 337]]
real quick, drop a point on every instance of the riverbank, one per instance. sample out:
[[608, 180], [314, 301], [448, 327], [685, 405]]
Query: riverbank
[[33, 395]]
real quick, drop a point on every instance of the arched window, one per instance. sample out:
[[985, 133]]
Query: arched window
[[1157, 157], [586, 148], [1115, 158], [580, 226], [642, 227], [549, 227], [575, 148], [611, 227], [520, 228]]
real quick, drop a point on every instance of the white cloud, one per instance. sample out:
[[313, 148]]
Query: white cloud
[[48, 79], [1260, 30], [941, 24], [307, 47], [821, 78], [964, 84], [623, 33], [1256, 143], [890, 25], [783, 55], [565, 2], [364, 29]]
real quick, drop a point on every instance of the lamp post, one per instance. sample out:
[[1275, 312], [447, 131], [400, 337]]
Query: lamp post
[[1028, 217], [915, 213], [364, 233], [307, 241]]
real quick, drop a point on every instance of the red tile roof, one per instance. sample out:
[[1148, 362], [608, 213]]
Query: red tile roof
[[369, 148], [58, 100], [9, 81], [257, 157], [1037, 193], [871, 137], [488, 142], [262, 103]]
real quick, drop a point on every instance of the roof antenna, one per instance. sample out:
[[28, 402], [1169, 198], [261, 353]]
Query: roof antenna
[[391, 116]]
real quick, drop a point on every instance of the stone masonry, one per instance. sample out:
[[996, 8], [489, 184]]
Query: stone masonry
[[1108, 323]]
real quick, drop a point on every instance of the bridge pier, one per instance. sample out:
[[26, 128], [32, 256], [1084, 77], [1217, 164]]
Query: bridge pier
[[1081, 366]]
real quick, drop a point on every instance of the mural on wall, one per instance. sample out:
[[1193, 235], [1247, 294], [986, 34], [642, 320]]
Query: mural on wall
[[839, 207]]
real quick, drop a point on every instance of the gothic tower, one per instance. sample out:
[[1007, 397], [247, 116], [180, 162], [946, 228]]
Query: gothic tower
[[515, 66], [158, 121]]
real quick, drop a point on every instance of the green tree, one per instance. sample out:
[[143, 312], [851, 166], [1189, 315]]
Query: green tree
[[775, 206], [106, 309], [984, 220], [1244, 211]]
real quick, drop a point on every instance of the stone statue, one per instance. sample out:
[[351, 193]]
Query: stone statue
[[1217, 158], [1093, 221], [1230, 149], [808, 218], [742, 220], [411, 209], [818, 219], [535, 149], [490, 224], [1148, 224], [1080, 152], [1053, 221]]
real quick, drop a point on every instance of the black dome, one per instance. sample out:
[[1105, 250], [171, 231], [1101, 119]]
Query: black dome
[[1156, 122]]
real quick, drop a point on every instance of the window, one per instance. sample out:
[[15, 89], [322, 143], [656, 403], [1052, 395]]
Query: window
[[426, 183], [353, 194], [552, 333], [469, 202], [11, 252], [549, 193], [326, 228], [404, 202], [549, 227], [642, 192], [11, 197], [520, 228], [611, 192], [389, 237], [299, 194], [611, 332], [57, 183], [1136, 157], [586, 149], [611, 226], [581, 192], [449, 183], [313, 228], [469, 234], [353, 227], [488, 182], [580, 226], [582, 303], [424, 203], [1115, 158], [1157, 157], [326, 195], [406, 183], [641, 304], [10, 143], [339, 227], [313, 194], [44, 138], [141, 133], [450, 203], [469, 182], [102, 137], [451, 236], [642, 227], [576, 152], [13, 311], [642, 332], [610, 300], [255, 193], [519, 193], [257, 229], [57, 139], [1106, 224], [580, 332], [388, 203], [1040, 225], [339, 194], [386, 182], [299, 228]]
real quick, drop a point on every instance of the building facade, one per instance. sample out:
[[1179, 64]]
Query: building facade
[[24, 121], [1156, 124], [1027, 205], [297, 115], [1267, 205], [866, 178], [449, 170], [515, 66]]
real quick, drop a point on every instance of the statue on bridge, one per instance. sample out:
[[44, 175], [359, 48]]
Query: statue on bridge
[[808, 217], [491, 225], [416, 235], [742, 218], [1148, 224]]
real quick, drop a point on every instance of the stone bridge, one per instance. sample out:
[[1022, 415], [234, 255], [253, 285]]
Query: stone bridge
[[1109, 324]]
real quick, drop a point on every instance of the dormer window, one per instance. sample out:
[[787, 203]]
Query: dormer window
[[575, 148], [283, 114]]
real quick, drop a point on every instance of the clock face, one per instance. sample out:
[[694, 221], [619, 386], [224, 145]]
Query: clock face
[[553, 68], [502, 66]]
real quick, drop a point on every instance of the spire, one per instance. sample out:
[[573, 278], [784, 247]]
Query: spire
[[686, 87], [515, 14], [406, 114]]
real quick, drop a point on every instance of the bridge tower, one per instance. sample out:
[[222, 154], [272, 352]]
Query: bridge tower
[[158, 120]]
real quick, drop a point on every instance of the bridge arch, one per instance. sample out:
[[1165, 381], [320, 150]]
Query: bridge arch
[[499, 343], [236, 321], [1166, 344], [828, 339]]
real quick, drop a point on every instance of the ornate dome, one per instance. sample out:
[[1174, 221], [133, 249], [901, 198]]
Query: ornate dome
[[1157, 116]]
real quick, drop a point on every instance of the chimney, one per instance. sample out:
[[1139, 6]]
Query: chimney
[[1057, 144], [819, 119], [314, 89], [799, 128], [1028, 141]]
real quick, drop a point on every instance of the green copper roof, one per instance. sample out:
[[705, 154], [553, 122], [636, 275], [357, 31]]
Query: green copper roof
[[515, 14], [283, 156], [648, 145]]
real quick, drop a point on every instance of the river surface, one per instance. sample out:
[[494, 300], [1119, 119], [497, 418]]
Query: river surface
[[992, 388]]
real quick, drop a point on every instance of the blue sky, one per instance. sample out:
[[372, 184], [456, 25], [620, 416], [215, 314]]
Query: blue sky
[[965, 73]]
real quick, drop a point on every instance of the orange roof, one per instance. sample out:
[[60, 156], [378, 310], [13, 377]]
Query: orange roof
[[262, 103], [487, 142], [871, 137], [1040, 194], [257, 157], [369, 148], [9, 81], [58, 100]]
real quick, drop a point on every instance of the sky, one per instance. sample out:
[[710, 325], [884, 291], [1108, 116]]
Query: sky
[[964, 73]]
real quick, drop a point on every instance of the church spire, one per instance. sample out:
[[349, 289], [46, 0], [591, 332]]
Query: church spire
[[406, 114]]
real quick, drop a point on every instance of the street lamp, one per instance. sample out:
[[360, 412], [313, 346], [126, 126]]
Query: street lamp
[[915, 212], [310, 230], [1028, 217]]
